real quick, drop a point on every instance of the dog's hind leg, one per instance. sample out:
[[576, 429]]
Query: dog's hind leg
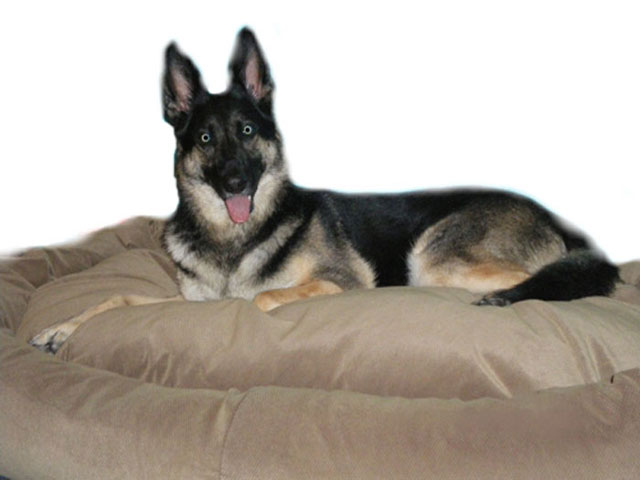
[[51, 339], [274, 298], [509, 253], [481, 277]]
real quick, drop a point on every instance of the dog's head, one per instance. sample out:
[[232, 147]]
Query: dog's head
[[229, 154]]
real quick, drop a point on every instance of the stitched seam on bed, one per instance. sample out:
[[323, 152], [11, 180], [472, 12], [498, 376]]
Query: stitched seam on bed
[[228, 432]]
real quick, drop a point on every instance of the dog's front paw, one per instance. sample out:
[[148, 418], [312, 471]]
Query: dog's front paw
[[51, 339], [266, 301]]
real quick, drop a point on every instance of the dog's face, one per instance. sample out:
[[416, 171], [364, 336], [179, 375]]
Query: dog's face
[[229, 154]]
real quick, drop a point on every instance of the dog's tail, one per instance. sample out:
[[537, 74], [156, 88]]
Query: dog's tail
[[583, 272]]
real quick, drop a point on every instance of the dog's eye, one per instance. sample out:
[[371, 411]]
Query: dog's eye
[[205, 138], [248, 129]]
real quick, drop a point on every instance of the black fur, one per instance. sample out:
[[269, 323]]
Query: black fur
[[383, 227]]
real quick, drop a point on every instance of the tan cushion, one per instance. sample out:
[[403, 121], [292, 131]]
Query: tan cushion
[[387, 383], [66, 421], [393, 341]]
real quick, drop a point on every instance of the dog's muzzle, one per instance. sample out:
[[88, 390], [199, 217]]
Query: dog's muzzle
[[236, 185]]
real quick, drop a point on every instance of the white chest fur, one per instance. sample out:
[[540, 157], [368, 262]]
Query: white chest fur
[[209, 279]]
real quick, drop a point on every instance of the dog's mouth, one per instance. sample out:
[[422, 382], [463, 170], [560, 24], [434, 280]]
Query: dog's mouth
[[239, 208]]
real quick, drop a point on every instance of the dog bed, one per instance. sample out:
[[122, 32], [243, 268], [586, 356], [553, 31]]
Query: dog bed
[[386, 383]]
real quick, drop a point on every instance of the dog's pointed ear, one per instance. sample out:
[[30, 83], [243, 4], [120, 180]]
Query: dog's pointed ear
[[181, 86], [249, 70]]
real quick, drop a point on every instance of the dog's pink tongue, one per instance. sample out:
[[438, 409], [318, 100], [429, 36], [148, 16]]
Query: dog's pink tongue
[[239, 208]]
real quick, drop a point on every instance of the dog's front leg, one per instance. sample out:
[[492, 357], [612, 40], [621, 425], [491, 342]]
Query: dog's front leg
[[51, 339], [274, 298]]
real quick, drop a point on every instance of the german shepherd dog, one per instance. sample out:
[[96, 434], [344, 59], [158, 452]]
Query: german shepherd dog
[[242, 229]]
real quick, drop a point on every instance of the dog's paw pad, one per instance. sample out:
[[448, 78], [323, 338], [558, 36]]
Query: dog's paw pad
[[51, 339]]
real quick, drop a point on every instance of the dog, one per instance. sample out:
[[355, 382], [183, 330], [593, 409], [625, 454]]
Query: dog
[[243, 229]]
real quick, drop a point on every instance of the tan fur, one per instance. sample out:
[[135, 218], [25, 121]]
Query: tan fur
[[275, 298], [478, 278]]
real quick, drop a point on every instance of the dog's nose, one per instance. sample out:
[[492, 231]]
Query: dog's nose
[[234, 183]]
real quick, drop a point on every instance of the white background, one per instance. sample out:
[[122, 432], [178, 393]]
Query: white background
[[539, 97]]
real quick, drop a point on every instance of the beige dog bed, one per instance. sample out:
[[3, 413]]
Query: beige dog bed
[[387, 383]]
